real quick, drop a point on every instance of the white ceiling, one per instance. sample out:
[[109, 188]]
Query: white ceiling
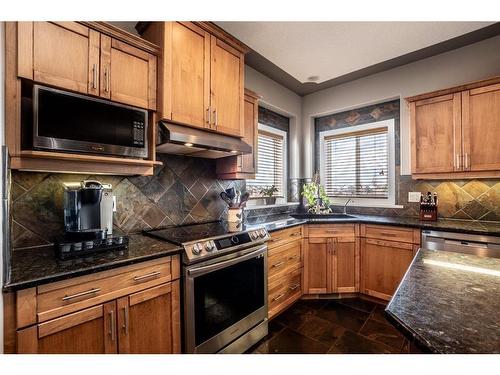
[[332, 49]]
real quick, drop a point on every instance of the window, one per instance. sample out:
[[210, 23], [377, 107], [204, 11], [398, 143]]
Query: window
[[358, 162], [271, 162]]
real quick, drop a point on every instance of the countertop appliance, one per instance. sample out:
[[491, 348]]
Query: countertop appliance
[[88, 220], [64, 121], [475, 244], [183, 140], [225, 286]]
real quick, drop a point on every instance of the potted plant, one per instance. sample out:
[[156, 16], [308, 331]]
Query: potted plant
[[268, 194], [317, 200]]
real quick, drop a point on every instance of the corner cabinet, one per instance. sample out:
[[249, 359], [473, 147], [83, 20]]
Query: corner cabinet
[[331, 259], [386, 254], [200, 75], [454, 132], [243, 166], [133, 309]]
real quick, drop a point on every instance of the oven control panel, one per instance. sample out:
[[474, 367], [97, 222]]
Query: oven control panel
[[209, 247]]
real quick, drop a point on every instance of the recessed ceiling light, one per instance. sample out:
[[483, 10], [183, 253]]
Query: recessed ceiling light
[[233, 151], [312, 78], [188, 144]]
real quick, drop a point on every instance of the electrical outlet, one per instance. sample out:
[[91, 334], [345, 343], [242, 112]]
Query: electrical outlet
[[414, 196]]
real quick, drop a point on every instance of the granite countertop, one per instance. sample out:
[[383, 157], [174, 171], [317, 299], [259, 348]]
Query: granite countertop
[[449, 303], [276, 222], [36, 266]]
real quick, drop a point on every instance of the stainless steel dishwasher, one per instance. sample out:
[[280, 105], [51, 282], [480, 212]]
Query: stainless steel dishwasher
[[475, 244]]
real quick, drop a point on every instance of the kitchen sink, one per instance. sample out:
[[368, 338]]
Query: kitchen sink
[[322, 216]]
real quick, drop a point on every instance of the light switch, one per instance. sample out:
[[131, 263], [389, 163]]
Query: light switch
[[414, 196]]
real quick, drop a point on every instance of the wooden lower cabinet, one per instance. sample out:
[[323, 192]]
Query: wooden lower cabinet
[[89, 331], [331, 265], [383, 265], [147, 322]]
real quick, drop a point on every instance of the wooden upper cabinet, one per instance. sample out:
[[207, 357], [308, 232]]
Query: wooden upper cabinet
[[481, 128], [89, 331], [244, 166], [454, 131], [226, 88], [73, 56], [200, 75], [436, 134], [63, 54]]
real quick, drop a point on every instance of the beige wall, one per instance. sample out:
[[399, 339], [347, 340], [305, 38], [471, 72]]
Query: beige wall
[[284, 101], [474, 62]]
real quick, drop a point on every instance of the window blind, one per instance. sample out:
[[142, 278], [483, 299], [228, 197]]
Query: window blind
[[270, 159], [356, 164]]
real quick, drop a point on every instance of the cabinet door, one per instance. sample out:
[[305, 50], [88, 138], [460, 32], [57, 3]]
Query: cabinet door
[[317, 265], [436, 134], [345, 270], [89, 331], [64, 54], [149, 321], [128, 74], [481, 128], [189, 91], [383, 265], [226, 87]]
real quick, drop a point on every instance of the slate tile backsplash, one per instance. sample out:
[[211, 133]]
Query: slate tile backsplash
[[182, 191]]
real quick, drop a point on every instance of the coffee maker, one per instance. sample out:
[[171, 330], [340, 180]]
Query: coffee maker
[[88, 220]]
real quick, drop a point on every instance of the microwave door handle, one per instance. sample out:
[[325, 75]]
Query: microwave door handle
[[213, 267]]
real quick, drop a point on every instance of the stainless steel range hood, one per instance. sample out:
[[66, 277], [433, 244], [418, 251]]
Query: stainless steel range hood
[[183, 140]]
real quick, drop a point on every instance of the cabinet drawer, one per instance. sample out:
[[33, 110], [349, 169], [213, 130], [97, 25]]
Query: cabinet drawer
[[283, 290], [71, 295], [284, 236], [284, 259], [332, 230], [387, 233]]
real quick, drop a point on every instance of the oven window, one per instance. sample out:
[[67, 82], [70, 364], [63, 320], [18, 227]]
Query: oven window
[[226, 296]]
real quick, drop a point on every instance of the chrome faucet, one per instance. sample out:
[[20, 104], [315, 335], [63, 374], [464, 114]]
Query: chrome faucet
[[345, 206]]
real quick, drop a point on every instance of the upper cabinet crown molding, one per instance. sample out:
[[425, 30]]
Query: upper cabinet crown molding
[[454, 132], [200, 75]]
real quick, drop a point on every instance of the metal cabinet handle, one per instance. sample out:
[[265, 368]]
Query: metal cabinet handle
[[112, 325], [216, 122], [147, 276], [106, 79], [77, 295], [466, 162], [296, 234], [275, 239], [293, 287], [294, 257], [208, 116], [279, 297], [278, 264], [125, 318], [457, 162], [94, 76]]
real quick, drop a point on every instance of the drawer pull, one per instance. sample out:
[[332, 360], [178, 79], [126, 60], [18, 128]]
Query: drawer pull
[[275, 239], [293, 287], [294, 257], [278, 264], [388, 234], [147, 276], [77, 295], [112, 325], [296, 234], [279, 297]]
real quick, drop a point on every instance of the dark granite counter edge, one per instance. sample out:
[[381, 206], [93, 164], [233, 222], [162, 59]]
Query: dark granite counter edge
[[421, 225], [410, 334], [12, 287]]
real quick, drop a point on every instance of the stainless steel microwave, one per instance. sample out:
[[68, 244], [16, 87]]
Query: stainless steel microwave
[[64, 121]]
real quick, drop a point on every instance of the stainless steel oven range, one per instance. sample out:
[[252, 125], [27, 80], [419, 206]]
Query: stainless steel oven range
[[225, 286]]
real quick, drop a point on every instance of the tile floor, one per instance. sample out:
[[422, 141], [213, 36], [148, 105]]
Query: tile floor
[[348, 326]]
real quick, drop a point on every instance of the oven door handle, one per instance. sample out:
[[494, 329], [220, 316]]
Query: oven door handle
[[226, 263]]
